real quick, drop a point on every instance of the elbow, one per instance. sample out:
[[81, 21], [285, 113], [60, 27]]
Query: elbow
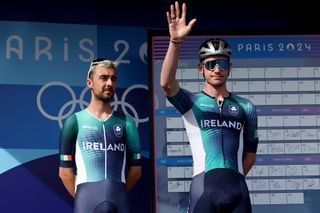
[[62, 175], [170, 88], [164, 84], [165, 87], [253, 160], [167, 82], [65, 174], [249, 159], [138, 174]]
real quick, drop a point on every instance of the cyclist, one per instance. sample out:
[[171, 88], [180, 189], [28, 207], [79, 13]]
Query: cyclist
[[99, 148], [221, 126]]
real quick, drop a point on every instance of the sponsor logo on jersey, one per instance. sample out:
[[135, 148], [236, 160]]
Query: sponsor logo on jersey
[[90, 127], [118, 130], [217, 123], [96, 146], [233, 109], [207, 106]]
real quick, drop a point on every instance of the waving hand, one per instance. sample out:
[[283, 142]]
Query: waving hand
[[178, 28]]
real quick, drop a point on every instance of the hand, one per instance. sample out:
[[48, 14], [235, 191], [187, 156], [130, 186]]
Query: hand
[[178, 28]]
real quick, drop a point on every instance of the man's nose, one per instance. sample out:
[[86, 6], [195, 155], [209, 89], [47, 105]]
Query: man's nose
[[109, 81], [217, 68]]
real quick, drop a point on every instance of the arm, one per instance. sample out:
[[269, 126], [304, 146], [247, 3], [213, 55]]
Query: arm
[[68, 179], [247, 162], [133, 154], [250, 138], [178, 30], [68, 139], [133, 175]]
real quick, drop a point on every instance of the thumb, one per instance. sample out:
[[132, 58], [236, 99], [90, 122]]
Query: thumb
[[192, 22]]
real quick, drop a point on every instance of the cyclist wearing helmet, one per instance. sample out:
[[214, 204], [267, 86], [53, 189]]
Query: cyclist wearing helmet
[[221, 126]]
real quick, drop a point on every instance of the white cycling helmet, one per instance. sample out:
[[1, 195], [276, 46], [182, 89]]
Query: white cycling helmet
[[213, 47]]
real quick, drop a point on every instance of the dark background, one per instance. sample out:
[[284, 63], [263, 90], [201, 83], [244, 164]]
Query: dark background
[[241, 15]]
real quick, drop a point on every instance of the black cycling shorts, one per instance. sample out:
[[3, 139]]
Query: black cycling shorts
[[224, 191], [101, 197]]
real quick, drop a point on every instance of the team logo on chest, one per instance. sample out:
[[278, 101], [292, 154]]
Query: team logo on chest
[[118, 130], [234, 110]]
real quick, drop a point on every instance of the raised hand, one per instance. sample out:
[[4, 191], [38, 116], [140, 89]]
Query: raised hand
[[178, 28]]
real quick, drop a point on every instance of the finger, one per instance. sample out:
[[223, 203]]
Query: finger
[[184, 11], [168, 17], [172, 12], [177, 9], [191, 23]]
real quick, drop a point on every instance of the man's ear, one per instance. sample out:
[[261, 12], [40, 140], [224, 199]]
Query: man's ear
[[230, 67], [89, 83], [200, 67]]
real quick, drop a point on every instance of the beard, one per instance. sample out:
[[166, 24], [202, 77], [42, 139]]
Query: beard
[[104, 98], [215, 85], [218, 85]]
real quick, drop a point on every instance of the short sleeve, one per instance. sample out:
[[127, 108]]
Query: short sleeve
[[133, 143], [68, 139], [251, 129]]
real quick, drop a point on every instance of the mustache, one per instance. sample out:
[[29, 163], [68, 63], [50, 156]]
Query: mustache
[[109, 89]]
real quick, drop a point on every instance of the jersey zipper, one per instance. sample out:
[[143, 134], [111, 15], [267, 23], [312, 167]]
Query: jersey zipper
[[220, 103], [105, 152]]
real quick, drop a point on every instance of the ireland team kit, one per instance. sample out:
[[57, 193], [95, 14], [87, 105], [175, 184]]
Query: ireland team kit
[[219, 133], [99, 151]]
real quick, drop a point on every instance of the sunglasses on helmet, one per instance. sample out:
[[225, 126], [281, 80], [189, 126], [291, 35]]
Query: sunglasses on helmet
[[97, 61], [222, 63]]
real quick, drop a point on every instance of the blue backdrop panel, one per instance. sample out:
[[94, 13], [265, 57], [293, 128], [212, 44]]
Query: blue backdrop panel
[[42, 81]]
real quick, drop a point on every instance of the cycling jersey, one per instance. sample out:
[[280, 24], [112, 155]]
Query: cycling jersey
[[218, 133], [99, 149]]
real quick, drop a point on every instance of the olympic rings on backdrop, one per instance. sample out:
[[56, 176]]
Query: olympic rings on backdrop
[[83, 104]]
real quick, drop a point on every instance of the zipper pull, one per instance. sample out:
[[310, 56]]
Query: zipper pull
[[220, 102]]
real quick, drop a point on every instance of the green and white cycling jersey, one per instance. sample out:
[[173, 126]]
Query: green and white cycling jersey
[[218, 133], [99, 149]]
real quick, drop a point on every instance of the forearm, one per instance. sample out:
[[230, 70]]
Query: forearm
[[169, 69], [68, 179], [248, 161], [178, 30], [133, 175]]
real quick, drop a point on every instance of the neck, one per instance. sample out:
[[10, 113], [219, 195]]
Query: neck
[[219, 92], [101, 110]]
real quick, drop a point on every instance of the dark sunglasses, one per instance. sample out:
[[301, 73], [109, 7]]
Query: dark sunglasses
[[222, 63]]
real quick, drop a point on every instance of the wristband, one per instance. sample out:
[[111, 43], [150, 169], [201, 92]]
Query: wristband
[[176, 41]]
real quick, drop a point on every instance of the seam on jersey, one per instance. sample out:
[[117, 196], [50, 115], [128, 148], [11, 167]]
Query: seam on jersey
[[220, 105], [105, 152]]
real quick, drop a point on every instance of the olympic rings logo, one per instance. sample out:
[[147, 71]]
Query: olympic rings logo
[[83, 104]]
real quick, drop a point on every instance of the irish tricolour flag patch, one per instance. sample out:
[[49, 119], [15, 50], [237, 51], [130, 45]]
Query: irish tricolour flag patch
[[66, 157], [136, 156]]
